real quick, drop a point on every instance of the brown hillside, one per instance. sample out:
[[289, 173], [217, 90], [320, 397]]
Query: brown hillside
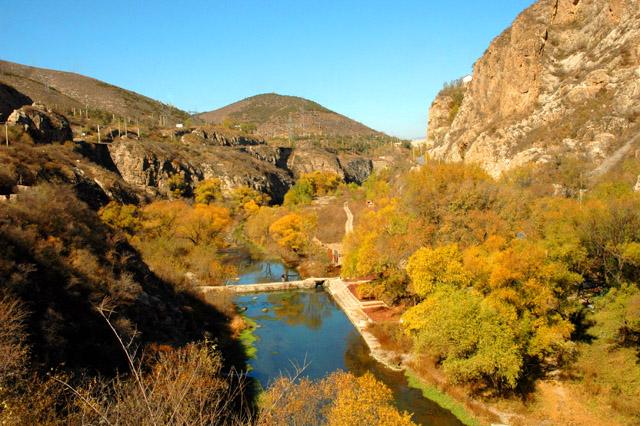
[[66, 90], [278, 116]]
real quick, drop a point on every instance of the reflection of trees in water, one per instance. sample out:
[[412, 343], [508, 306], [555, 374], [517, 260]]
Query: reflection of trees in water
[[358, 361], [356, 356], [301, 308]]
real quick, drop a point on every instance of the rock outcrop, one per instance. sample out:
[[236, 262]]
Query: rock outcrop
[[565, 78], [356, 169], [151, 165], [208, 137], [308, 159], [42, 124]]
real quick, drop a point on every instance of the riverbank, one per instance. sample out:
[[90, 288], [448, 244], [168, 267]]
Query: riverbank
[[392, 359]]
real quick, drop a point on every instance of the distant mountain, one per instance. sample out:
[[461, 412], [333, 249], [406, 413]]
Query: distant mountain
[[277, 116], [66, 90]]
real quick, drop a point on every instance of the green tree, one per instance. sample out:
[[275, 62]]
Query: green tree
[[473, 340]]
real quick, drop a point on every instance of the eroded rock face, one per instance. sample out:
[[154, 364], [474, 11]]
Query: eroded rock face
[[564, 78], [43, 125], [207, 137], [308, 159], [356, 169], [278, 156], [150, 165]]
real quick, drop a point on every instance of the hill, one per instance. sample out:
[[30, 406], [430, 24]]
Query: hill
[[66, 90], [277, 116], [563, 81]]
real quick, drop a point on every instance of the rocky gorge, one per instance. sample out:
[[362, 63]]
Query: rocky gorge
[[149, 164]]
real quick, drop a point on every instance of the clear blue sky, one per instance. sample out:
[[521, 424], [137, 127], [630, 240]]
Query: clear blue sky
[[379, 62]]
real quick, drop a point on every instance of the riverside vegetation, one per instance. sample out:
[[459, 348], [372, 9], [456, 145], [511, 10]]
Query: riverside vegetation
[[101, 323], [502, 285]]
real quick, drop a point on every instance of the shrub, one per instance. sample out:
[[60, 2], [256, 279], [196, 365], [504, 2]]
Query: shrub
[[178, 185], [125, 217], [339, 399], [208, 191]]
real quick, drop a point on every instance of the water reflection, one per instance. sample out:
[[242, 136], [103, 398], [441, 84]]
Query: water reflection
[[358, 361], [301, 308], [252, 272], [308, 325]]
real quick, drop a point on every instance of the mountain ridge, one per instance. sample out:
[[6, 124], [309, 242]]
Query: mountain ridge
[[273, 115], [69, 90]]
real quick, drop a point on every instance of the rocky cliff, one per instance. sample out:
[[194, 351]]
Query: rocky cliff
[[150, 165], [563, 79]]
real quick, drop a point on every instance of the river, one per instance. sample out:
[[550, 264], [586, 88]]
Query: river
[[307, 327]]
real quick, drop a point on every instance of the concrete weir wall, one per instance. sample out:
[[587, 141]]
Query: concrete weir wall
[[266, 287]]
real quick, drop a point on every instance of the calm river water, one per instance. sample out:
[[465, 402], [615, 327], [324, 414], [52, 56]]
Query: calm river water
[[298, 327]]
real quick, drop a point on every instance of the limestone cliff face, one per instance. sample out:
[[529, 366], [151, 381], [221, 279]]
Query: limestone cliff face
[[150, 165], [565, 77]]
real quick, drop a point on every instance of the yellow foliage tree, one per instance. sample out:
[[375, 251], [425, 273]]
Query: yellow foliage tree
[[203, 223], [121, 216], [364, 401], [338, 399], [208, 191], [430, 269], [291, 232]]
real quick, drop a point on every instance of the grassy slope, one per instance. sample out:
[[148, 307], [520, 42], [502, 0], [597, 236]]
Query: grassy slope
[[69, 90], [275, 115]]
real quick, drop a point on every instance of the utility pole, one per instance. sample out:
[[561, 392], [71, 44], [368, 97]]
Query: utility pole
[[6, 133], [98, 133], [138, 126], [119, 128]]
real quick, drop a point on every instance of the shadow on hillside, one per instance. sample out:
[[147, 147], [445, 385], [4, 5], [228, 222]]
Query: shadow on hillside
[[59, 259]]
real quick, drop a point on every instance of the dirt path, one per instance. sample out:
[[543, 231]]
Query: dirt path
[[348, 225]]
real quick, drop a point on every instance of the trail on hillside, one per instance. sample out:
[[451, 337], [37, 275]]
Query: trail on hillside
[[348, 225]]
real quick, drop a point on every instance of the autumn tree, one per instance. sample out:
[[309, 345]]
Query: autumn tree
[[178, 185], [291, 232], [338, 399], [203, 224], [248, 199], [430, 269], [310, 185], [125, 217], [474, 341], [208, 191]]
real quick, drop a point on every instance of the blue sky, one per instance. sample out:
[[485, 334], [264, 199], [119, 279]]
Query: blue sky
[[379, 62]]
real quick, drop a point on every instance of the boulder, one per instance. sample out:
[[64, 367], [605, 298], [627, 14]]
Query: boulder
[[43, 125], [356, 169]]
